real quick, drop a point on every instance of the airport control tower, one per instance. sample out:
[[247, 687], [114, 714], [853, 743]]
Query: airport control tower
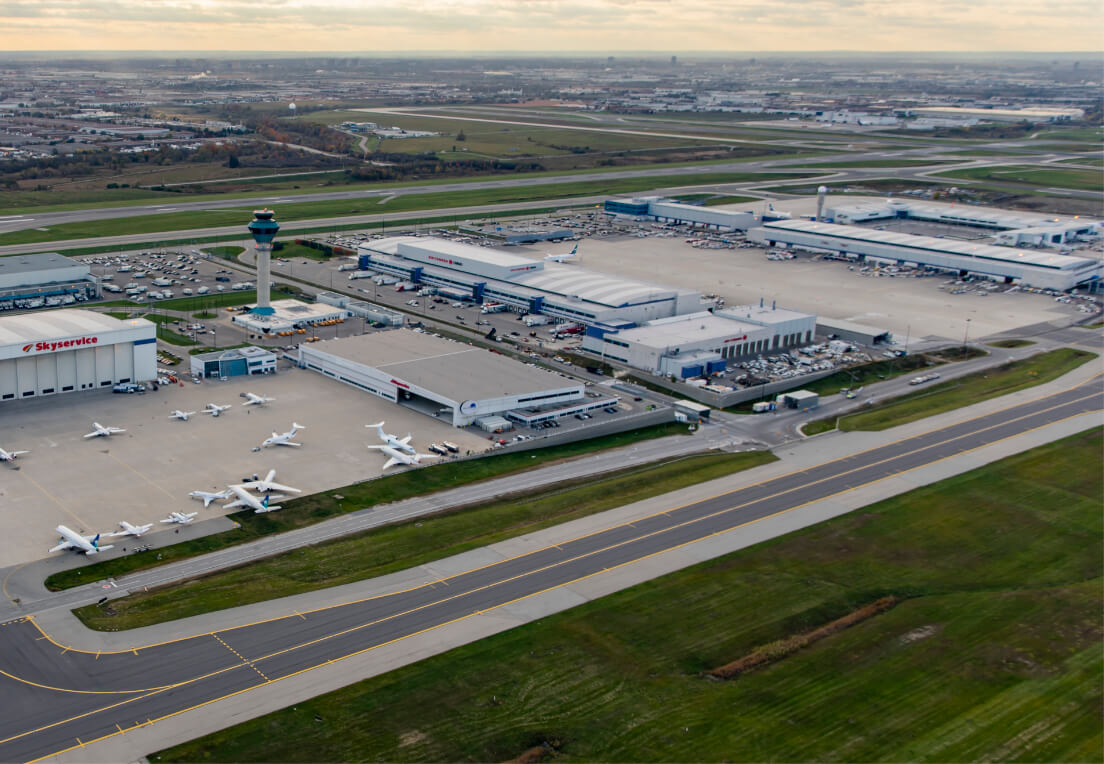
[[264, 229]]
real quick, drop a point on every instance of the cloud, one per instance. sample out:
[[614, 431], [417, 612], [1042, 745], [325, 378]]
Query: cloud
[[548, 25]]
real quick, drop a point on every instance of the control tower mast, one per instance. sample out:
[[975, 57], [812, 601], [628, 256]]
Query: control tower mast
[[263, 228]]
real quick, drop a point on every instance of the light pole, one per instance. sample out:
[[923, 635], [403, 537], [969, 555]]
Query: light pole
[[965, 336]]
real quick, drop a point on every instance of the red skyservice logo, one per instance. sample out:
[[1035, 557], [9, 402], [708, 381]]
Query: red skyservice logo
[[39, 347]]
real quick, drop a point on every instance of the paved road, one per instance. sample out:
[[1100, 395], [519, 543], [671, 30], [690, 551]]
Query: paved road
[[57, 698]]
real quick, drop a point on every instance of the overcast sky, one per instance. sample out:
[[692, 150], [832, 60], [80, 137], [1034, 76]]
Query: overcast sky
[[600, 26]]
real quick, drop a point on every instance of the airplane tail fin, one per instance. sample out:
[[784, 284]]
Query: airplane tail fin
[[296, 426], [575, 249], [270, 476], [96, 541]]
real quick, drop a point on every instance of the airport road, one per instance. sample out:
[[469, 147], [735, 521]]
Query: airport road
[[58, 698]]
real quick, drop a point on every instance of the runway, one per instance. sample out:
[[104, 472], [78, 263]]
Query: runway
[[58, 698]]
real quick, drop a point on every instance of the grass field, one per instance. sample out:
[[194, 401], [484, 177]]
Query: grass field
[[956, 393], [229, 252], [307, 510], [994, 654], [174, 221], [1056, 177], [291, 249], [1095, 161], [858, 163], [1014, 343], [398, 547]]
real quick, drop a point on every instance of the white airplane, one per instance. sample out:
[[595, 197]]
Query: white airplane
[[103, 432], [181, 415], [130, 530], [400, 444], [257, 400], [284, 439], [398, 457], [209, 496], [266, 485], [563, 258], [214, 409], [246, 499], [182, 518], [10, 456], [78, 543]]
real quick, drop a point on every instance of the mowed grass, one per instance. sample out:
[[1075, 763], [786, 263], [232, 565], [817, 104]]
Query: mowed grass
[[397, 547], [956, 393], [202, 219], [311, 509], [994, 654], [1047, 177]]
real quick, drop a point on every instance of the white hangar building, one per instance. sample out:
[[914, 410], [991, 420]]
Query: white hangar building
[[64, 351], [438, 377], [564, 292]]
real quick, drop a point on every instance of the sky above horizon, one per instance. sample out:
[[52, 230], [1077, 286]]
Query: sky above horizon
[[545, 26]]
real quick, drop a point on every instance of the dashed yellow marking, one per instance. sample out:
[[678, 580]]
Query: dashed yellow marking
[[244, 660]]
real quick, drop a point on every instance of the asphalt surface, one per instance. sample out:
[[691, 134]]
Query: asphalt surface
[[57, 698]]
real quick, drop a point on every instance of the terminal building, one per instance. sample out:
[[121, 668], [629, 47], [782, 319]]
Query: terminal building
[[287, 316], [658, 209], [564, 292], [442, 378], [64, 351], [1016, 228], [1029, 267], [700, 344], [234, 362], [32, 281]]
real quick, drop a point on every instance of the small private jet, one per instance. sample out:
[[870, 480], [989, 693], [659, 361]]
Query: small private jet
[[130, 530], [103, 432], [181, 415], [72, 540], [246, 499], [565, 257], [257, 400], [208, 496], [10, 456], [214, 409], [183, 518], [266, 485], [284, 439], [398, 457], [399, 444]]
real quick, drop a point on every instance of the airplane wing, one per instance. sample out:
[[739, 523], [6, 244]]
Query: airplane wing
[[278, 487], [97, 550], [61, 546], [92, 434], [405, 440], [391, 462]]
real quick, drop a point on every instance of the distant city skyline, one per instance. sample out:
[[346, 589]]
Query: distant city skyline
[[550, 26]]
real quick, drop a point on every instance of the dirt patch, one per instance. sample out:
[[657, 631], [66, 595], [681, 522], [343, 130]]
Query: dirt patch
[[917, 634], [412, 738], [776, 651], [532, 755]]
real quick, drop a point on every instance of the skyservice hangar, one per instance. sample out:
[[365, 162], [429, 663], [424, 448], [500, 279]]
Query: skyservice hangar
[[65, 351], [566, 292], [437, 376]]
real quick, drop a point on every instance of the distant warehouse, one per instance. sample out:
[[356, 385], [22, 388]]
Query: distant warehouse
[[664, 211], [1012, 266], [32, 281], [438, 377]]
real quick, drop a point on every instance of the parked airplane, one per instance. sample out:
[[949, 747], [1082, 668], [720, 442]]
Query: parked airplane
[[266, 485], [103, 432], [563, 258], [401, 444], [130, 530], [78, 543], [182, 518], [398, 457], [182, 415], [214, 409], [209, 496], [246, 499], [284, 439], [257, 400], [10, 456]]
